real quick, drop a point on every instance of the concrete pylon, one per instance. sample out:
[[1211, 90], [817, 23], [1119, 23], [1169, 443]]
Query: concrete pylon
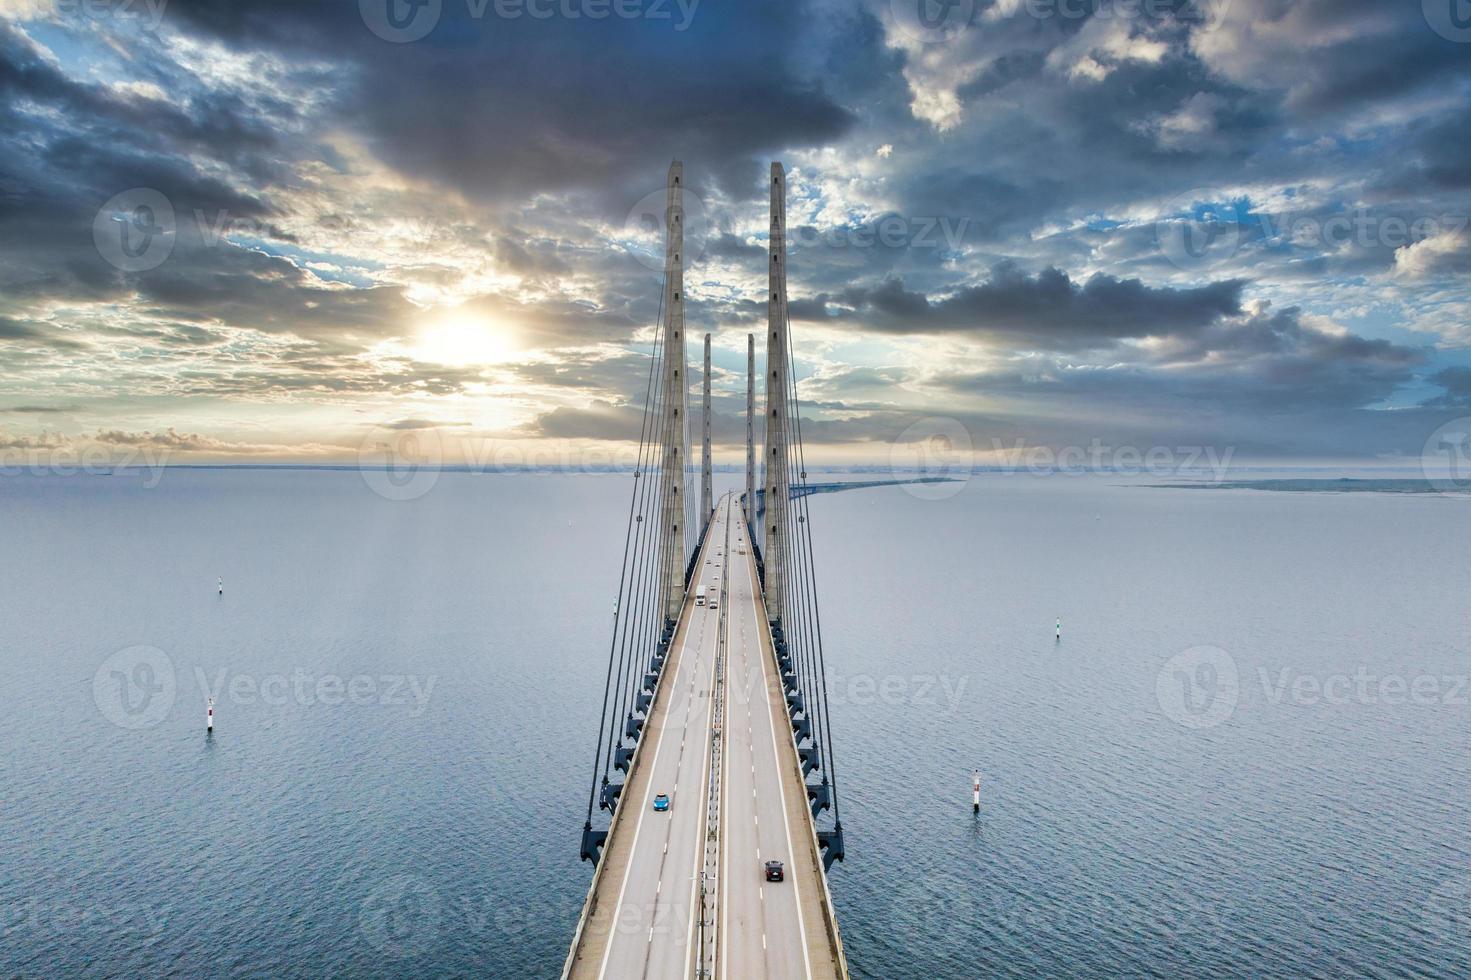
[[774, 554], [676, 397], [750, 429], [707, 504]]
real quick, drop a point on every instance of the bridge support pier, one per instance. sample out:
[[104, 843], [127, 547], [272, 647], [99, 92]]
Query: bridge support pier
[[675, 433], [750, 498], [774, 524], [707, 505]]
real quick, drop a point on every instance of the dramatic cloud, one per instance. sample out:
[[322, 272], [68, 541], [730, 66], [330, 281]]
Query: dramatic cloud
[[258, 228]]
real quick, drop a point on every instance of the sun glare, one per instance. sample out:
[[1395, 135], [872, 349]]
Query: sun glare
[[465, 340]]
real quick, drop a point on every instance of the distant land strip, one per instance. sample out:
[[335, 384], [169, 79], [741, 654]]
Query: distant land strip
[[1341, 485]]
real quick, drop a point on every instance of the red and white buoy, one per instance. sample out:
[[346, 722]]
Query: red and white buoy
[[209, 718], [976, 790]]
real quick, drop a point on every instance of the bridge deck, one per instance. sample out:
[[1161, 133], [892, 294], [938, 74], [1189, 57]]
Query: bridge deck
[[642, 908]]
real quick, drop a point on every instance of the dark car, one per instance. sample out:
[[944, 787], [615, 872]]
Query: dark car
[[775, 872]]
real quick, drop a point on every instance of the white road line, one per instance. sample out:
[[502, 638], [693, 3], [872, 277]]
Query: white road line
[[781, 789], [705, 768], [725, 840], [639, 824]]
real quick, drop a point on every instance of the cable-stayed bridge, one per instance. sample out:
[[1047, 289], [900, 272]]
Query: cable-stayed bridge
[[713, 764]]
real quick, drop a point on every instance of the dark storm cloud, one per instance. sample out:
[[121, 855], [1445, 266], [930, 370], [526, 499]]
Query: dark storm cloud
[[524, 141], [1457, 384], [1267, 362], [498, 107], [1048, 310]]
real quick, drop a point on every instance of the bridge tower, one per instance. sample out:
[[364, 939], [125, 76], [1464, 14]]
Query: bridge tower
[[707, 505], [750, 426], [676, 398], [774, 554]]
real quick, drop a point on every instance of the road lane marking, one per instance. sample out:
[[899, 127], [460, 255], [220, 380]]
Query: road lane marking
[[782, 795], [643, 809], [704, 768]]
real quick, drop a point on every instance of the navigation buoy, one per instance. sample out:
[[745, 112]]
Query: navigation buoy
[[209, 718], [1059, 629], [222, 585], [976, 793]]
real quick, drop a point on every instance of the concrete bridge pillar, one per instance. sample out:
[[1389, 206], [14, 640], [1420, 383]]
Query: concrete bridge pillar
[[676, 397], [707, 505], [750, 509], [774, 526]]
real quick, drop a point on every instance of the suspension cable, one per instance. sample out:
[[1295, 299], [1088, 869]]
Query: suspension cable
[[623, 572]]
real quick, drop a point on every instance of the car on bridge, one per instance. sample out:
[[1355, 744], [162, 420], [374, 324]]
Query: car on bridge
[[775, 871], [661, 802]]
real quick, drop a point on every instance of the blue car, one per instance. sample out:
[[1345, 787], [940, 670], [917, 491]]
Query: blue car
[[661, 803]]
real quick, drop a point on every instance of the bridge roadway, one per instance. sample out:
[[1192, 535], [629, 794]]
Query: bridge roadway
[[643, 909]]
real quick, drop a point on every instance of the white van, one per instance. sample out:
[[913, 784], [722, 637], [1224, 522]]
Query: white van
[[700, 596]]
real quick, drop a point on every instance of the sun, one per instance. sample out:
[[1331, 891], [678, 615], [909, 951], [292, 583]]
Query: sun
[[463, 340]]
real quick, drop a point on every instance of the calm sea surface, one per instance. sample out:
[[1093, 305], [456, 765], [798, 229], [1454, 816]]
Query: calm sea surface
[[1249, 755]]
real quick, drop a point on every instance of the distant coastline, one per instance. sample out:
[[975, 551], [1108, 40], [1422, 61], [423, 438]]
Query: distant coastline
[[1340, 485]]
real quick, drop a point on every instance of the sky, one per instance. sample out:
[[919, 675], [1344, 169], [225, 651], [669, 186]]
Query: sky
[[288, 231]]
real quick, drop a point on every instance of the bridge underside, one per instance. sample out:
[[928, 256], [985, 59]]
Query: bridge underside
[[654, 909]]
